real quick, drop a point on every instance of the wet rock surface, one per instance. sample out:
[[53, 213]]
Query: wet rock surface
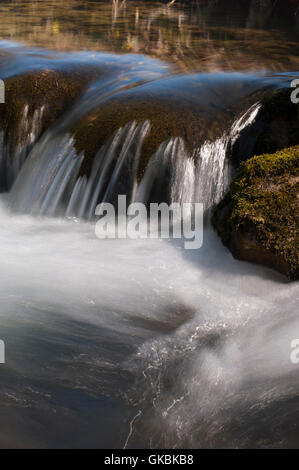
[[197, 108]]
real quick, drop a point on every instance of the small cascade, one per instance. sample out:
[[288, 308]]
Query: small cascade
[[214, 172], [13, 153], [174, 175], [52, 163]]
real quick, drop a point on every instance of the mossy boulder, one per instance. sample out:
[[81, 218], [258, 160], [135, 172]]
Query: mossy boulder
[[258, 218]]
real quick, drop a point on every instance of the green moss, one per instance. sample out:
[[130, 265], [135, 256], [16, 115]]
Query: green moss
[[263, 201]]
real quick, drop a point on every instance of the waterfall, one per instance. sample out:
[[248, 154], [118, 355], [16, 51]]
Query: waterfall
[[13, 152], [53, 180]]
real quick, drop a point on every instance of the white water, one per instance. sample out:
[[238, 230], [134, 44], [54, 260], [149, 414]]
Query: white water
[[169, 175], [13, 154], [196, 344], [213, 163]]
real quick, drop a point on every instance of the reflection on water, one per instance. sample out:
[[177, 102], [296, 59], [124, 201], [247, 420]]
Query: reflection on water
[[201, 35]]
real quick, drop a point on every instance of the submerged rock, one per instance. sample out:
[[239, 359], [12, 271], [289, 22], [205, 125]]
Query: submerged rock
[[258, 218], [33, 102]]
